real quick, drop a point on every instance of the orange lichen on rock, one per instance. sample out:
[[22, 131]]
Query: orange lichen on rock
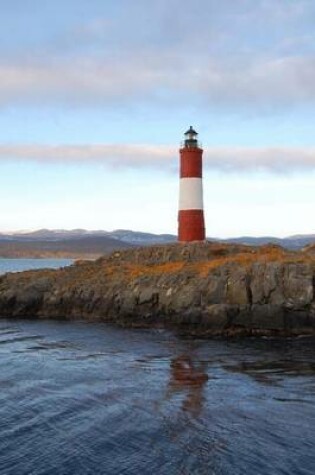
[[218, 255], [136, 270], [247, 259]]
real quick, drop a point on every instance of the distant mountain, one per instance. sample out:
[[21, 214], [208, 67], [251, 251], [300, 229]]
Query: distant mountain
[[132, 237], [84, 243], [52, 234], [142, 239], [88, 247], [291, 242]]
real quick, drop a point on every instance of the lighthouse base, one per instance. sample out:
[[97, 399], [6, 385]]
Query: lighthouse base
[[191, 225]]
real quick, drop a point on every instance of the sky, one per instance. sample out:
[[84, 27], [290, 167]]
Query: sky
[[95, 96]]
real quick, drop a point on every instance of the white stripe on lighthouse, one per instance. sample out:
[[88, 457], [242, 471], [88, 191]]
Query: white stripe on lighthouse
[[190, 194]]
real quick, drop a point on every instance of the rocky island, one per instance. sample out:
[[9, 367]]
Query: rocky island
[[204, 289]]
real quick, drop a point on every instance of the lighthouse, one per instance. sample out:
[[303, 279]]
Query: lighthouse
[[191, 225]]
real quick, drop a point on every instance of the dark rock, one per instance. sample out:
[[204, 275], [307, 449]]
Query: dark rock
[[206, 288], [268, 316]]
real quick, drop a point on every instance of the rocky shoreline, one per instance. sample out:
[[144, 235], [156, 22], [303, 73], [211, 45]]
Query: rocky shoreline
[[204, 289]]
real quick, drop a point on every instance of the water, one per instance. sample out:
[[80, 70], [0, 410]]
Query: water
[[18, 265], [89, 398]]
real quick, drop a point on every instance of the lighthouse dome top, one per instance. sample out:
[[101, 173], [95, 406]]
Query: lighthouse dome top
[[191, 132]]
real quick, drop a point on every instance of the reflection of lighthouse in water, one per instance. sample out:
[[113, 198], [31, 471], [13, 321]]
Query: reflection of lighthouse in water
[[191, 226], [188, 376]]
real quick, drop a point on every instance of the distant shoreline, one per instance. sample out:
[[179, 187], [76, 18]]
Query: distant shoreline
[[39, 255], [84, 244]]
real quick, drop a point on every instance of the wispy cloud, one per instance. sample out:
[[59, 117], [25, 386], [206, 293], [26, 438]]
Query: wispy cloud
[[273, 82], [227, 159], [271, 159], [233, 54]]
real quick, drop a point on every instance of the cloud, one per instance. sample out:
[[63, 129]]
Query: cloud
[[163, 79], [81, 82], [226, 159], [270, 159], [117, 155], [226, 54]]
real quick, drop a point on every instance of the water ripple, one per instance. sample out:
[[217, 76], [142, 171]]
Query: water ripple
[[93, 399]]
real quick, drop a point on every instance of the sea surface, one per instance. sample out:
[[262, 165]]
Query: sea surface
[[18, 265], [80, 398], [88, 398]]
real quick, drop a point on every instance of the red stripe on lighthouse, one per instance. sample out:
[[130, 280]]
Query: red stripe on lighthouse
[[191, 225], [190, 163]]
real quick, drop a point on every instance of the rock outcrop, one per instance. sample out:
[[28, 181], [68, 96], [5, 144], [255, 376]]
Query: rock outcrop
[[310, 249], [201, 288]]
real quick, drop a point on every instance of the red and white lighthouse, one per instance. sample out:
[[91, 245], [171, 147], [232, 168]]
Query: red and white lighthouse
[[191, 225]]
